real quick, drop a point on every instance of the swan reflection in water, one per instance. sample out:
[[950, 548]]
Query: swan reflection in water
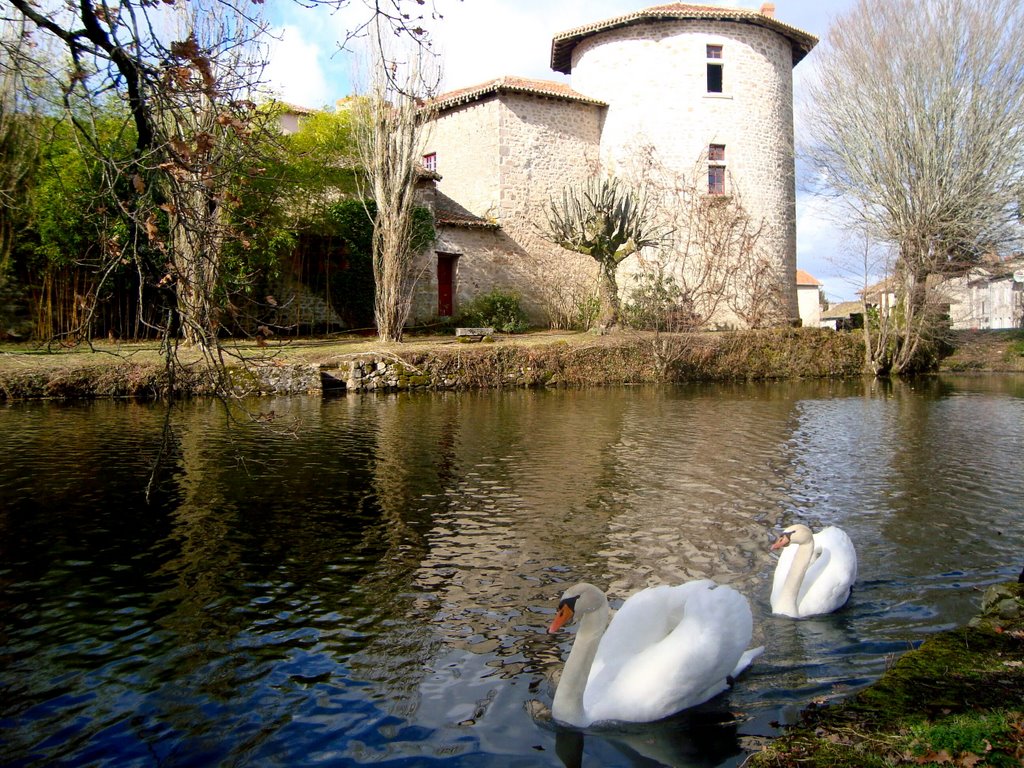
[[692, 739]]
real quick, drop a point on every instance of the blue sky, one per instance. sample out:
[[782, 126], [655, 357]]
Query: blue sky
[[482, 39]]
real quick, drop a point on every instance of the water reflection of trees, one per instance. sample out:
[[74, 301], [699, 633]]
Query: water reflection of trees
[[974, 519]]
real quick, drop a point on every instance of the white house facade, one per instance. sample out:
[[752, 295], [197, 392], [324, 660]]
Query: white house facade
[[808, 298], [988, 297]]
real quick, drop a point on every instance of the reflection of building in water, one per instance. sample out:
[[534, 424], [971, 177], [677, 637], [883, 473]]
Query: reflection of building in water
[[708, 477], [489, 476]]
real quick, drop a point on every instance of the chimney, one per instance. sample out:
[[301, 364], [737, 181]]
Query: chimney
[[768, 9]]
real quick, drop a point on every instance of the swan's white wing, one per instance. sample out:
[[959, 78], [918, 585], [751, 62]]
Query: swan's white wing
[[827, 584], [644, 620], [687, 666]]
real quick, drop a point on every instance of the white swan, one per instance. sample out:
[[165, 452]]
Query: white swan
[[815, 576], [667, 649]]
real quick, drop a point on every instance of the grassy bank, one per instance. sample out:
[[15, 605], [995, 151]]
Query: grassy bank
[[958, 700], [536, 359], [441, 362]]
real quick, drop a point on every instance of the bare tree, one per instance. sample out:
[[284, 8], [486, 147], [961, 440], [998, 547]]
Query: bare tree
[[714, 251], [186, 72], [919, 136], [609, 221], [389, 135]]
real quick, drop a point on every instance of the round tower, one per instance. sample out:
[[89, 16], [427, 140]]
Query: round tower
[[704, 94]]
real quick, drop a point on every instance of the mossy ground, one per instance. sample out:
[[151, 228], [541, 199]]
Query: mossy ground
[[542, 358], [958, 700], [985, 351]]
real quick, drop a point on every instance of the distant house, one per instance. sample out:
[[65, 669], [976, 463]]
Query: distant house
[[880, 296], [989, 296], [291, 115], [843, 317], [808, 299]]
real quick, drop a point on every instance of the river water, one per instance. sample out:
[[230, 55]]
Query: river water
[[368, 579]]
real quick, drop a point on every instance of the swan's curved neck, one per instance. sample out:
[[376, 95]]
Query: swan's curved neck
[[795, 578], [567, 706]]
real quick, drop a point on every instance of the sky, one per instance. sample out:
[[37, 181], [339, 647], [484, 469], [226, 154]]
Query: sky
[[479, 40]]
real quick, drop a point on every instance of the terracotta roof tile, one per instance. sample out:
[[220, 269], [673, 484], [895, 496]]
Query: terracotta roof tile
[[510, 84], [564, 42], [805, 278]]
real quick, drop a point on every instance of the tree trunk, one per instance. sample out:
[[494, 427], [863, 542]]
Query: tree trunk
[[609, 295]]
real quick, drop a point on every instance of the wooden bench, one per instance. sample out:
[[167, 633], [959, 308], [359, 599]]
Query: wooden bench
[[473, 334]]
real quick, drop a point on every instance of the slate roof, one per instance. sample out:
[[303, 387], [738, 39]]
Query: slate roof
[[449, 213], [564, 42], [510, 84], [843, 310]]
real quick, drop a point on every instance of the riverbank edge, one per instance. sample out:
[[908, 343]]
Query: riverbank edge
[[544, 359], [957, 700], [437, 363]]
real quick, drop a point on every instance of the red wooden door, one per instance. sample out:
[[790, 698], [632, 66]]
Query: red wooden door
[[445, 284]]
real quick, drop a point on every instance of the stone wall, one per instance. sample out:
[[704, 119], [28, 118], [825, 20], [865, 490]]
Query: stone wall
[[487, 260], [503, 158], [466, 141]]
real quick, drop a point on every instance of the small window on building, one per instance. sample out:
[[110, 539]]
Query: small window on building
[[715, 67], [716, 169], [716, 180], [430, 161]]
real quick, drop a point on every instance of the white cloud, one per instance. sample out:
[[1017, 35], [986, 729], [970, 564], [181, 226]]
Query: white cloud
[[294, 71]]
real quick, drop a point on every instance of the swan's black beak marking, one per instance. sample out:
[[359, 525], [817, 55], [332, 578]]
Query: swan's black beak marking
[[566, 610], [570, 602]]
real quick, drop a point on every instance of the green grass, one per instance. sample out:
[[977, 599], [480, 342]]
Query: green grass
[[957, 700], [974, 738], [1016, 348]]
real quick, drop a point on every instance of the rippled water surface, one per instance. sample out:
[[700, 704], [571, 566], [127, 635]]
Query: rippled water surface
[[367, 580]]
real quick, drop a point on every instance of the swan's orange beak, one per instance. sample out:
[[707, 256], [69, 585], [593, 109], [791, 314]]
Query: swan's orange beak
[[563, 617], [782, 541]]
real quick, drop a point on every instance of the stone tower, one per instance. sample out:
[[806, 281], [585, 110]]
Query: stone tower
[[709, 90]]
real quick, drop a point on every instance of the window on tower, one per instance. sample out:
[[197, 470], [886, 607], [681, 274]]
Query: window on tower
[[716, 169], [714, 57]]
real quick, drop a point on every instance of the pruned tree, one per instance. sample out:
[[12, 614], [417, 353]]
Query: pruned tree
[[390, 121], [919, 138], [609, 221]]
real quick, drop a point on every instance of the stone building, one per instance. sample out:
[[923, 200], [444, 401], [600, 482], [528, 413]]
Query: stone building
[[670, 96]]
